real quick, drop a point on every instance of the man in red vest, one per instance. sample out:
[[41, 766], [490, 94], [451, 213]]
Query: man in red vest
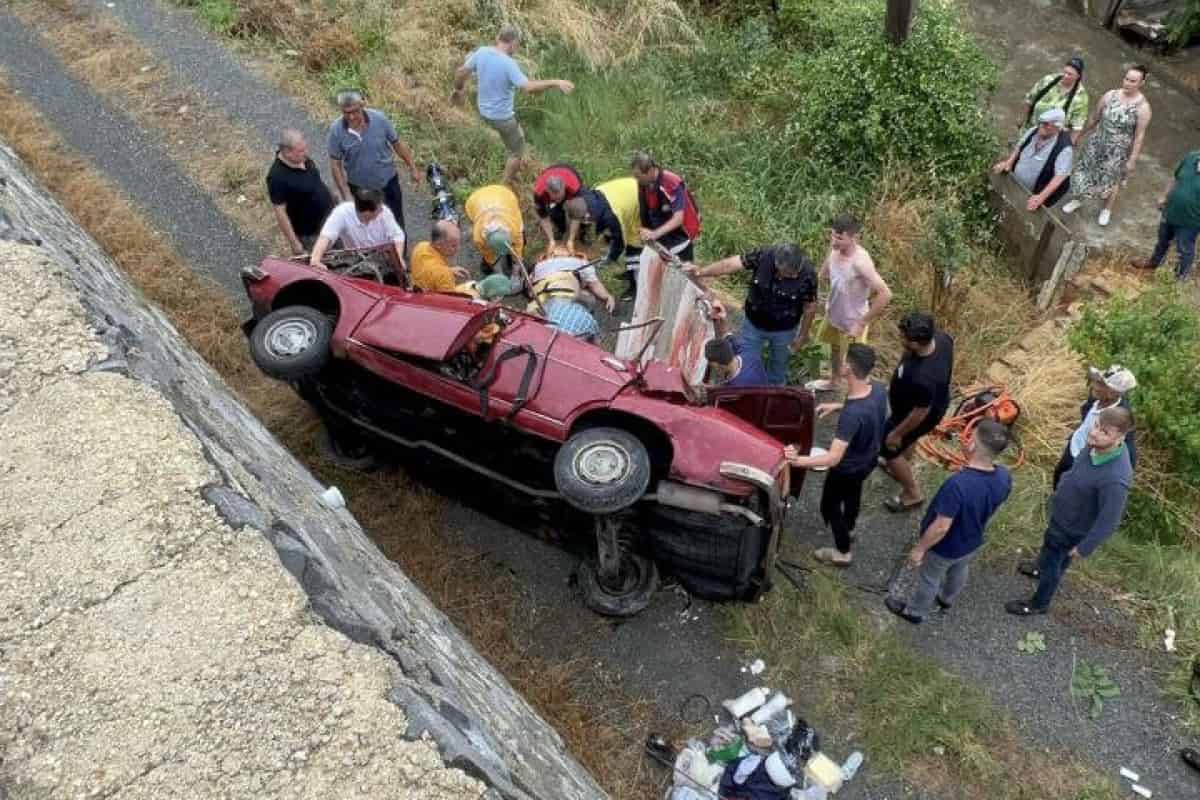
[[551, 191], [668, 212]]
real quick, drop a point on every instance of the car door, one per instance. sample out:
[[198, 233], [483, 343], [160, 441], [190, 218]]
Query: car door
[[783, 412]]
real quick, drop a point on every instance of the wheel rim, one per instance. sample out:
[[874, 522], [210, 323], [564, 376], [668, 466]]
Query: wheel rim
[[289, 338], [602, 464]]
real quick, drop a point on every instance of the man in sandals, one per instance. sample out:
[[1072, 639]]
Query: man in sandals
[[1085, 509], [853, 453], [919, 394], [952, 531]]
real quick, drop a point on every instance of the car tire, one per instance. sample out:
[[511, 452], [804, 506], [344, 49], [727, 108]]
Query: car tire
[[636, 586], [292, 342], [602, 470], [344, 450]]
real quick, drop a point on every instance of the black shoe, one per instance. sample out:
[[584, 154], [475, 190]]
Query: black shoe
[[1022, 608], [942, 604], [631, 290], [898, 608], [1029, 569]]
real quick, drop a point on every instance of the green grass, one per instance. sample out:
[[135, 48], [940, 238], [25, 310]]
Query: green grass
[[218, 15], [909, 716]]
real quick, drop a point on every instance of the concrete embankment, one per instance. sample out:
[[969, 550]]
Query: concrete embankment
[[179, 616]]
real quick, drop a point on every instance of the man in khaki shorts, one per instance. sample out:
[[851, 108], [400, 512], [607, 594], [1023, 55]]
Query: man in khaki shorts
[[499, 77], [857, 295]]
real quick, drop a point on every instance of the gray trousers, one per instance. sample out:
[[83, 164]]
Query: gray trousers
[[939, 577]]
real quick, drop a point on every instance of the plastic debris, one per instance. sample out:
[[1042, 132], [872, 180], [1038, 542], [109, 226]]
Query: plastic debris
[[825, 772], [757, 666], [739, 707], [1129, 774], [332, 498], [778, 772], [757, 735], [1169, 640], [850, 768], [1142, 790], [778, 702]]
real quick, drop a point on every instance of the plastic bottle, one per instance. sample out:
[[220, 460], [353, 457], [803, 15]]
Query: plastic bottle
[[850, 768], [814, 792]]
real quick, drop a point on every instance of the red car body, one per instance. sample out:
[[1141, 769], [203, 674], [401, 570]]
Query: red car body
[[550, 387]]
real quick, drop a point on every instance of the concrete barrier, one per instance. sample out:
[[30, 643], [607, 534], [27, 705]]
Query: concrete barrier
[[358, 626], [1045, 251]]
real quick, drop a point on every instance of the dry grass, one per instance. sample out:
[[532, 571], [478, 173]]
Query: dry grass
[[212, 148], [1049, 391], [275, 19], [331, 45], [986, 309], [600, 724]]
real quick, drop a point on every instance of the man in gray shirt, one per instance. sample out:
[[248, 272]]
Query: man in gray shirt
[[1085, 509], [362, 142], [1041, 161]]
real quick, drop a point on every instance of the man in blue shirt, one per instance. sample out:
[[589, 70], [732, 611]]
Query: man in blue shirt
[[954, 524], [499, 77], [729, 362], [853, 453]]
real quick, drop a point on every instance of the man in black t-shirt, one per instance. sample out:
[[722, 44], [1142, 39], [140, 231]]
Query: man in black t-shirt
[[919, 395], [780, 303], [299, 197], [853, 453]]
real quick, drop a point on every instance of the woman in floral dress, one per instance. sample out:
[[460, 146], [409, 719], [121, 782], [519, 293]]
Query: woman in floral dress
[[1110, 156]]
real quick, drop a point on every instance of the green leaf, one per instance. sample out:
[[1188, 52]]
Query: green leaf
[[1097, 707], [1109, 691]]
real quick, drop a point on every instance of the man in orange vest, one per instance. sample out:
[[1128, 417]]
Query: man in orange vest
[[667, 210]]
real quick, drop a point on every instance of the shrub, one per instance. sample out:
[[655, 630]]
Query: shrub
[[1157, 334]]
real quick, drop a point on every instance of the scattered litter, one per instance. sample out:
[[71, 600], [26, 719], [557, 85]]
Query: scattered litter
[[147, 68], [332, 498], [825, 772], [292, 53], [850, 768], [1142, 790], [757, 666], [739, 707], [183, 109], [939, 750], [778, 702], [1129, 774], [1169, 640], [241, 198]]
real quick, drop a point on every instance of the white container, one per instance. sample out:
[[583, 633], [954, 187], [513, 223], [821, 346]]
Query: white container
[[739, 707], [850, 768], [332, 498], [778, 702]]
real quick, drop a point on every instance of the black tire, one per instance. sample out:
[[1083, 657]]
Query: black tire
[[292, 342], [602, 470], [635, 587], [345, 449]]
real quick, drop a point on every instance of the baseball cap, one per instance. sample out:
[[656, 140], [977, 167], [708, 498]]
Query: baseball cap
[[1115, 377], [1055, 116]]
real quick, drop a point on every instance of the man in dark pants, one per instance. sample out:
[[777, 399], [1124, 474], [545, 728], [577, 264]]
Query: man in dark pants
[[551, 191], [1180, 222], [1086, 508], [361, 144], [919, 394], [300, 200], [667, 210], [853, 453], [780, 303]]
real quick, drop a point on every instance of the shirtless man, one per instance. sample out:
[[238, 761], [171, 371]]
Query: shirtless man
[[857, 295]]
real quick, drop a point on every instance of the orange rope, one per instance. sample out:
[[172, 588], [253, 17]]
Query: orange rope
[[944, 444]]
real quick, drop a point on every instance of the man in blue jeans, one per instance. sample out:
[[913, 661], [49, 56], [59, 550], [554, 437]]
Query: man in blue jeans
[[1180, 222], [780, 303], [952, 530], [1085, 509]]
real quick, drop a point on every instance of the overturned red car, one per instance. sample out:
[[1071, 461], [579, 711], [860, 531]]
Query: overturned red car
[[662, 474]]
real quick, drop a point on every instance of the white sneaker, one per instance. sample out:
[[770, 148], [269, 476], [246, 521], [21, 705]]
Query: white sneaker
[[1105, 216], [1071, 206], [831, 555]]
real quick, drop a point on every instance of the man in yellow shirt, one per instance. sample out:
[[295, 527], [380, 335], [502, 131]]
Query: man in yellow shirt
[[431, 261], [610, 211], [498, 231]]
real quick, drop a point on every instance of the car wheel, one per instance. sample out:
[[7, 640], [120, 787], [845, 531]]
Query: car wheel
[[345, 449], [628, 594], [602, 470], [292, 342]]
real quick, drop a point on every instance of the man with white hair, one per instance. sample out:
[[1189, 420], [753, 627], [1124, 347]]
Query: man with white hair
[[299, 198], [361, 144], [1041, 161]]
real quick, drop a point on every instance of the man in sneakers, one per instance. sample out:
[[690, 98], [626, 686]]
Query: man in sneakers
[[954, 524], [1180, 222], [853, 453], [1086, 507]]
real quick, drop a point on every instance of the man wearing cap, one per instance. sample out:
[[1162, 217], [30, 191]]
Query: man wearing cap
[[1180, 222], [780, 303], [1085, 509], [1107, 389], [1062, 90], [1041, 161], [497, 228]]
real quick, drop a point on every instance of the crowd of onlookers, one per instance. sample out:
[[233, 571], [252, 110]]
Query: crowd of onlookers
[[878, 426]]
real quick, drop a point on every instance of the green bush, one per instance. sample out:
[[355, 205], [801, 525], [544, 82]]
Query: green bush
[[1157, 335]]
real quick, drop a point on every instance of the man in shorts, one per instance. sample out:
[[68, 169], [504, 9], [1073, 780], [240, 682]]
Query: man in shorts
[[499, 77], [919, 394], [857, 295]]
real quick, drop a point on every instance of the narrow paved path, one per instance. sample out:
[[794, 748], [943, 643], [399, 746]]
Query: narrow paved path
[[140, 165]]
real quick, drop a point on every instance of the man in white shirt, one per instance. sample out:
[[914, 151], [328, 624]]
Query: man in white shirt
[[366, 222]]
